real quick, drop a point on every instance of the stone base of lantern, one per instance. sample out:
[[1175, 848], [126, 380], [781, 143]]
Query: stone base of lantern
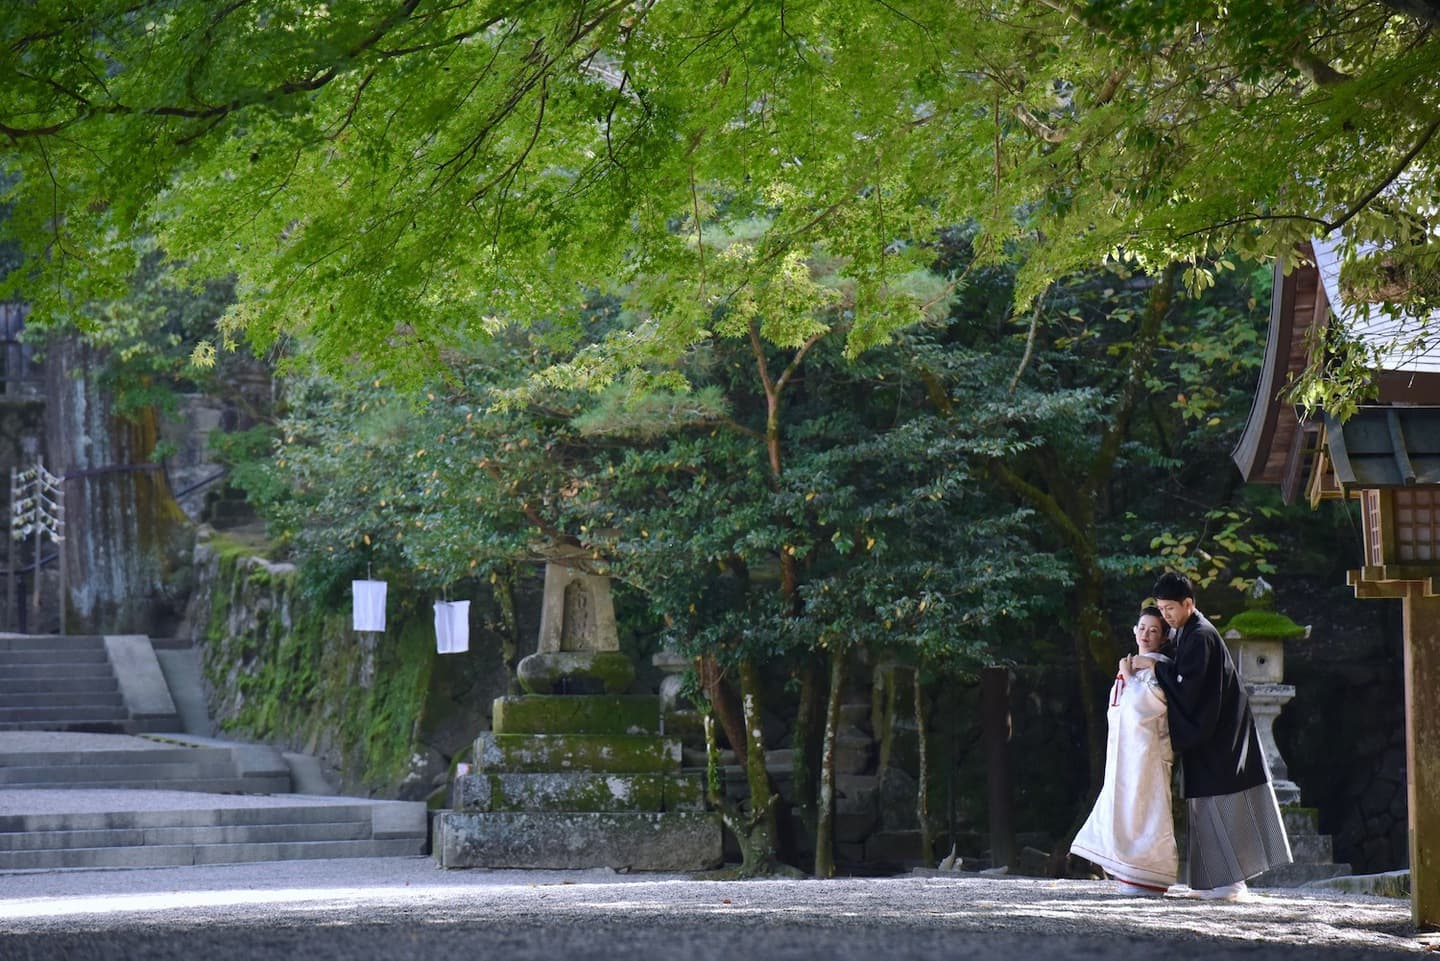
[[578, 781], [1314, 855], [631, 841]]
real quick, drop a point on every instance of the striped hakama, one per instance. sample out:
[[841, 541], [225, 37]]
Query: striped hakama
[[1234, 837]]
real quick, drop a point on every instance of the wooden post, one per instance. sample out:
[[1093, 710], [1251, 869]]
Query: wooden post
[[12, 559], [59, 541], [35, 588], [1422, 752], [995, 729]]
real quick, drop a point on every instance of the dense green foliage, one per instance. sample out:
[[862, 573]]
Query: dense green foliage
[[823, 327], [390, 180], [873, 519]]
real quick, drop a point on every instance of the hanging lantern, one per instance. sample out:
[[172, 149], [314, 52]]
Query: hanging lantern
[[452, 627], [369, 612]]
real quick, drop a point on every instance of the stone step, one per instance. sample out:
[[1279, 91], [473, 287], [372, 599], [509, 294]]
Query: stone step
[[41, 715], [203, 815], [175, 855], [61, 684], [178, 768], [579, 791], [1312, 848], [159, 754], [63, 656], [206, 785], [44, 674], [577, 713], [74, 725], [1294, 875], [219, 834], [608, 753], [668, 841], [83, 829], [82, 774], [51, 642], [66, 699]]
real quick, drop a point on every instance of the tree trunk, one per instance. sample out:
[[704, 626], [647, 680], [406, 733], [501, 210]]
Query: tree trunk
[[756, 830], [509, 627], [125, 535], [722, 702], [1094, 645], [922, 789], [882, 720], [825, 822], [807, 758], [762, 798]]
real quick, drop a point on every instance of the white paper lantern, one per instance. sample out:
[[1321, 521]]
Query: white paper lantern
[[452, 627], [369, 612]]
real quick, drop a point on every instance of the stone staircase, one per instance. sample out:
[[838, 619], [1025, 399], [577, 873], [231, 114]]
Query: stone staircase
[[133, 763], [58, 684], [64, 683], [78, 829], [98, 769]]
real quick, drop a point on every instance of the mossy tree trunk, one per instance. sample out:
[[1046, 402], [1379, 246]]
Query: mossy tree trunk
[[125, 535], [754, 829], [722, 702], [825, 822], [922, 788], [509, 625], [764, 802], [882, 719], [806, 761]]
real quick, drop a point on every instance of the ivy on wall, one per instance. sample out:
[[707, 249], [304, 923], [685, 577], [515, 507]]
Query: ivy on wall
[[290, 673]]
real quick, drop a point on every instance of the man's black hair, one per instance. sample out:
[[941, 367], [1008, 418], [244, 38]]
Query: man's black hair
[[1173, 587]]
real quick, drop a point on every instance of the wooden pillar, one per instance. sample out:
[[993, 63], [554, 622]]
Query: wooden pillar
[[999, 781], [1422, 751]]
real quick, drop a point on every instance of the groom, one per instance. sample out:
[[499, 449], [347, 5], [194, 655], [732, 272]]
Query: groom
[[1234, 821]]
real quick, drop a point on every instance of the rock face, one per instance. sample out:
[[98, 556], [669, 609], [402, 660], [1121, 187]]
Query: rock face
[[127, 541]]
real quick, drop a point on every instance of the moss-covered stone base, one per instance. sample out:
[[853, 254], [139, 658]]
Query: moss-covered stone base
[[576, 672], [604, 753], [670, 841], [581, 791], [569, 714]]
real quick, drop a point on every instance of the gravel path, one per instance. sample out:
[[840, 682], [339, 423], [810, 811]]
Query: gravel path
[[399, 908]]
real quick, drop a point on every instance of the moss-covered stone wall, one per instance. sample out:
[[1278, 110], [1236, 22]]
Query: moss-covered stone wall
[[386, 714]]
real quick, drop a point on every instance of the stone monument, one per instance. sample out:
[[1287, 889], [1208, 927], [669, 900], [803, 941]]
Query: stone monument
[[576, 773]]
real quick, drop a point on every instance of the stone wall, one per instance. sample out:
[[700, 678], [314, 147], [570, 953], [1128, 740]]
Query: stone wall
[[385, 713], [1343, 736]]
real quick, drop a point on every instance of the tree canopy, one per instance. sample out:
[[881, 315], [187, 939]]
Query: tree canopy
[[389, 179]]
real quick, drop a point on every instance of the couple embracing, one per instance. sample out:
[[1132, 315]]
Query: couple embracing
[[1181, 696]]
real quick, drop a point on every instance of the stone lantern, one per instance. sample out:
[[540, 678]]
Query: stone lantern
[[1257, 637], [578, 772]]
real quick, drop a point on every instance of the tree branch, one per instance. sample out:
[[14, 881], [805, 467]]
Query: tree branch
[[1390, 177]]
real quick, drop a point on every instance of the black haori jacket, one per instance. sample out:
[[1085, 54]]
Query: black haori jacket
[[1211, 727]]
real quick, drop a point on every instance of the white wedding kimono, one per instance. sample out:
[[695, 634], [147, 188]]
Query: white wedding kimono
[[1131, 831]]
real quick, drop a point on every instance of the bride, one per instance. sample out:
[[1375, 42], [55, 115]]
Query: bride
[[1131, 830]]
